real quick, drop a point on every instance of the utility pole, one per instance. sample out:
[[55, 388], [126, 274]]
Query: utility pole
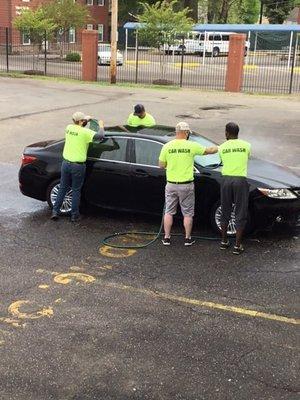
[[261, 11], [114, 40]]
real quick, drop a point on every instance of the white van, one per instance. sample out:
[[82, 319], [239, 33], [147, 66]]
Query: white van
[[213, 43]]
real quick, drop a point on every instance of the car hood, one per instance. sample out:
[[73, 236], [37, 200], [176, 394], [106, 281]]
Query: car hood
[[104, 53], [272, 175]]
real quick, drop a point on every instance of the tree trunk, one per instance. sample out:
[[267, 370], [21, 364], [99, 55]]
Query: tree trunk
[[193, 6], [224, 11]]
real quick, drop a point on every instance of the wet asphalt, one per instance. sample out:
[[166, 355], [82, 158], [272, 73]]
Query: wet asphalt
[[81, 321]]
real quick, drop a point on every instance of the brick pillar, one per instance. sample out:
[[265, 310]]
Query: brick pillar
[[235, 63], [89, 55]]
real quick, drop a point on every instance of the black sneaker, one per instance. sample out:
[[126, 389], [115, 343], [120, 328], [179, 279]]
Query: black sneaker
[[238, 250], [75, 218], [224, 245], [54, 216], [189, 241], [166, 241]]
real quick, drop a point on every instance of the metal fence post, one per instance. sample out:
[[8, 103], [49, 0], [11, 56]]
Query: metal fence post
[[136, 57], [45, 54], [293, 64], [7, 50], [182, 59]]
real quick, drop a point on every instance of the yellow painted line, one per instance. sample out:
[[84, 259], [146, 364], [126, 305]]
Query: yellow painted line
[[44, 287], [12, 322], [140, 62], [14, 309], [188, 65], [250, 67], [207, 304], [67, 278], [116, 253]]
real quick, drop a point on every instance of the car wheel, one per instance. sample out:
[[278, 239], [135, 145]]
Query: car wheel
[[216, 51], [215, 221], [52, 196]]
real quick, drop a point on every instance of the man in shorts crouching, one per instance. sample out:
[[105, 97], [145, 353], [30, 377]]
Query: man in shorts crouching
[[177, 157]]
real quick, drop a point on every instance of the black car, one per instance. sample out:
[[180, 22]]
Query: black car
[[123, 174]]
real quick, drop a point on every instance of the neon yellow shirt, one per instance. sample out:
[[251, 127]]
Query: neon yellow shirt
[[135, 121], [234, 154], [77, 141], [179, 155]]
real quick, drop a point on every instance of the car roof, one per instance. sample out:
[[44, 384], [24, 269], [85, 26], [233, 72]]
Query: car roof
[[163, 133]]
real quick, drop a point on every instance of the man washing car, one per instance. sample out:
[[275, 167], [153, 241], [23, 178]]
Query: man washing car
[[77, 140], [177, 156]]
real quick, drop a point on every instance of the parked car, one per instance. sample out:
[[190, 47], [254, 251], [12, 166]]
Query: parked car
[[104, 55], [123, 174]]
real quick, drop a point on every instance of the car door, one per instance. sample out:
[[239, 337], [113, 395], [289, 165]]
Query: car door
[[108, 182], [148, 180]]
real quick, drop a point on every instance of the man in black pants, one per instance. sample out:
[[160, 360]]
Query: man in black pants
[[234, 154]]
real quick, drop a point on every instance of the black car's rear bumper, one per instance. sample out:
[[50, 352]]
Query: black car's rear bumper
[[33, 183]]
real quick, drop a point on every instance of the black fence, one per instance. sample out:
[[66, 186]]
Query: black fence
[[19, 54], [270, 67]]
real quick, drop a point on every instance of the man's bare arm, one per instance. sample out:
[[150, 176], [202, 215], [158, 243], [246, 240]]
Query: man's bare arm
[[211, 150], [162, 164]]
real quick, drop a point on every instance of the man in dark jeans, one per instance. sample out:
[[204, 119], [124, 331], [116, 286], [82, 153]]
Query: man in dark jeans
[[77, 140], [234, 154]]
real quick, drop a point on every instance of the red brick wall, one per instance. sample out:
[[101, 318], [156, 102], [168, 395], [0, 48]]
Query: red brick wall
[[9, 9]]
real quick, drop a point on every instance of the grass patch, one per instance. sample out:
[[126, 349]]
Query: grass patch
[[99, 83]]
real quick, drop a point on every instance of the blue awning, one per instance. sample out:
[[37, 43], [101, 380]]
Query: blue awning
[[232, 27]]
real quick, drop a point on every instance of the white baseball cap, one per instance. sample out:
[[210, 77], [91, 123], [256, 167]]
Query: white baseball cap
[[182, 126], [79, 116]]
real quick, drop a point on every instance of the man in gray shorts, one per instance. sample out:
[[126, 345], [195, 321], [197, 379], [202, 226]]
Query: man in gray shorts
[[234, 154], [177, 156]]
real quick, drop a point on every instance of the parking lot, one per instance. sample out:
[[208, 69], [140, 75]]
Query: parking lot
[[79, 320]]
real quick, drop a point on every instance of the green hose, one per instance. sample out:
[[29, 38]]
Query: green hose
[[156, 235]]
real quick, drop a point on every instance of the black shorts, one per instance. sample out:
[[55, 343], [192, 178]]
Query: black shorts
[[234, 197]]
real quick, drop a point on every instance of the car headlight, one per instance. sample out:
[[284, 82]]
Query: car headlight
[[284, 194]]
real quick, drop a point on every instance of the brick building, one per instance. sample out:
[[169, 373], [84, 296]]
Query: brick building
[[99, 10]]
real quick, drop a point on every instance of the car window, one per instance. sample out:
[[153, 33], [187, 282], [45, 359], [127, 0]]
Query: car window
[[109, 149], [209, 160], [217, 38], [225, 38], [147, 152]]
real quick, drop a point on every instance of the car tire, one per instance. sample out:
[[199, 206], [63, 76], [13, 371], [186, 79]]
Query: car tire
[[215, 52], [215, 217], [52, 194]]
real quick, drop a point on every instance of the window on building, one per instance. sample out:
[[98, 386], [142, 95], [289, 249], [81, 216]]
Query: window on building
[[26, 1], [72, 35], [100, 2], [26, 38], [89, 2], [100, 33], [89, 27]]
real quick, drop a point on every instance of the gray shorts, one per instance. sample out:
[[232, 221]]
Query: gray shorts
[[182, 194]]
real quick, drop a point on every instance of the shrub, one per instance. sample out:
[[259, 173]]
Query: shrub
[[73, 57]]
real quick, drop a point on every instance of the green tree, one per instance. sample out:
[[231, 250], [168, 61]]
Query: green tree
[[161, 24], [245, 12], [66, 14], [277, 10], [38, 26]]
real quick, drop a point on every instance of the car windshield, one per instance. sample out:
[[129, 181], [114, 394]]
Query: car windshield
[[212, 160], [104, 47]]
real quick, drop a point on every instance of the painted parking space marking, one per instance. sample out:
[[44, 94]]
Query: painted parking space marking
[[206, 304], [116, 253]]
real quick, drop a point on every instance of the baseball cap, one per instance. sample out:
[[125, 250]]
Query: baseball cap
[[79, 116], [139, 109], [182, 126]]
